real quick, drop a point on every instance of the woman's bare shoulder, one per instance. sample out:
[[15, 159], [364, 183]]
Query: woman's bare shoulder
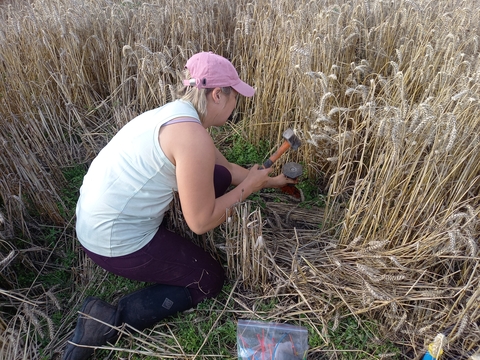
[[178, 140]]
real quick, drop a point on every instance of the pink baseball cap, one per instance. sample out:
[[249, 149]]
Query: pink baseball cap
[[209, 70]]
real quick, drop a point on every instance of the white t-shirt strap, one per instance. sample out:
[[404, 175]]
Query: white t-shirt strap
[[180, 120]]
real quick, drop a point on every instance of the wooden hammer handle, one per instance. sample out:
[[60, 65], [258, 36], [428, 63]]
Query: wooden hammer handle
[[284, 147]]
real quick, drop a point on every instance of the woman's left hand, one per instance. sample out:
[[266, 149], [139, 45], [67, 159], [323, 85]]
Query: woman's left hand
[[280, 181]]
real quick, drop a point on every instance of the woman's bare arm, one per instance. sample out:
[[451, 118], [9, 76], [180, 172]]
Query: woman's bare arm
[[194, 154], [239, 173]]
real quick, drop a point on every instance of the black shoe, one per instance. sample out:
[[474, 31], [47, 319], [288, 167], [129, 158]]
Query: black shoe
[[91, 332]]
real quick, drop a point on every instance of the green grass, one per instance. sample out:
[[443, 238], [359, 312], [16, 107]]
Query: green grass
[[192, 329], [245, 153], [208, 319], [353, 340], [74, 178], [52, 237], [311, 192]]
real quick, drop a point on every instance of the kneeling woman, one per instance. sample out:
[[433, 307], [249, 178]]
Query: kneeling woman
[[130, 185]]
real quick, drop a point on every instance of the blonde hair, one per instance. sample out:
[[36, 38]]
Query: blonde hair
[[197, 97]]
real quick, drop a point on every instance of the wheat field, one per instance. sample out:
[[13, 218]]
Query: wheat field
[[384, 94]]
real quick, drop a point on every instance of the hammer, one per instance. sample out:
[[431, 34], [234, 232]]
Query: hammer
[[291, 141]]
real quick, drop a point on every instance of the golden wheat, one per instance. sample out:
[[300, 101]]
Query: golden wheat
[[384, 94]]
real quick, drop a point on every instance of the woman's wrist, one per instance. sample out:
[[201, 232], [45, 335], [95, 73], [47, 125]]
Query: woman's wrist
[[272, 182]]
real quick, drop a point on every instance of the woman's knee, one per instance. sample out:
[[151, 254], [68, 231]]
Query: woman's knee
[[210, 284]]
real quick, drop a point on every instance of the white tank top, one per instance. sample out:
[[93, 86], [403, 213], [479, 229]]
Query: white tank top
[[129, 185]]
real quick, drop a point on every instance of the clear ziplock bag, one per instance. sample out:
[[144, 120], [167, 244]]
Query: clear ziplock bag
[[258, 340]]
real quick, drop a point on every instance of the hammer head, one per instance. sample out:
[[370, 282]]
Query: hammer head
[[292, 139]]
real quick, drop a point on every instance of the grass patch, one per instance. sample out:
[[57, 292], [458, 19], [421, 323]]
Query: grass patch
[[242, 152], [311, 193], [354, 339], [191, 330], [70, 192]]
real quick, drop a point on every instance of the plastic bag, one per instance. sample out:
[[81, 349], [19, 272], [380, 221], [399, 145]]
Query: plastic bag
[[257, 340]]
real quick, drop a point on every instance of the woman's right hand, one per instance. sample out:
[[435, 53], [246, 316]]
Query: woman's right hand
[[257, 178]]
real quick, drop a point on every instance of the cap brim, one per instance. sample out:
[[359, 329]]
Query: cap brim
[[244, 89]]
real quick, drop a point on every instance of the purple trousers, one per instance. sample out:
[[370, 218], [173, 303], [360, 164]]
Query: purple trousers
[[172, 259]]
